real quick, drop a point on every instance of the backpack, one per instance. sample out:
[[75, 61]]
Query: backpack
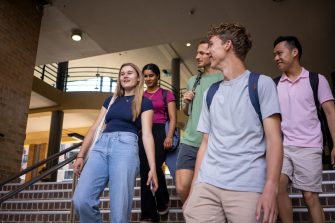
[[253, 93], [175, 138], [314, 82]]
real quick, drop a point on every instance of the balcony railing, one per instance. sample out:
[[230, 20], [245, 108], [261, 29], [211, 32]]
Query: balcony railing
[[95, 79]]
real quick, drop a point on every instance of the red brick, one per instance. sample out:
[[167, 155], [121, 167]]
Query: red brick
[[19, 25]]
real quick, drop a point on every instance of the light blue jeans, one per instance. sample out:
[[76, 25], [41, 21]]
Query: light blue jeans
[[114, 160]]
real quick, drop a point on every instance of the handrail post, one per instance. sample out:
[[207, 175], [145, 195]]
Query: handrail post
[[74, 184], [101, 83], [43, 72]]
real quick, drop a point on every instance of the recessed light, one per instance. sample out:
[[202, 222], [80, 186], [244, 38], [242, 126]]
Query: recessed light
[[76, 35], [188, 44]]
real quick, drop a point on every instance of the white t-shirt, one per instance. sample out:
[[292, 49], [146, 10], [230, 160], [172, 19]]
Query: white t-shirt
[[235, 157]]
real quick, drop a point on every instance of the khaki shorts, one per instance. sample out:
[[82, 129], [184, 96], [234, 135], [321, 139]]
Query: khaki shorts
[[304, 167], [210, 204]]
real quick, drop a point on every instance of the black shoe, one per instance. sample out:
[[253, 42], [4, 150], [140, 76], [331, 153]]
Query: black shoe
[[163, 211]]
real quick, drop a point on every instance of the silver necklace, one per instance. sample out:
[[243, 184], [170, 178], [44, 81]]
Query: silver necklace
[[127, 99]]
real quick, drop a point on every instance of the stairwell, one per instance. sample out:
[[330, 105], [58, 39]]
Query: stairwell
[[51, 202]]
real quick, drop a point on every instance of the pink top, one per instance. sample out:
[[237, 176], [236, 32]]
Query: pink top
[[160, 115], [300, 123]]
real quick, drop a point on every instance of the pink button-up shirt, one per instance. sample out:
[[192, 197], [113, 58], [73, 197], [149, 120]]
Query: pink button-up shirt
[[300, 123]]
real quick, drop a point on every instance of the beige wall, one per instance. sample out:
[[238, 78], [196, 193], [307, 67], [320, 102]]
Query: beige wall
[[19, 27]]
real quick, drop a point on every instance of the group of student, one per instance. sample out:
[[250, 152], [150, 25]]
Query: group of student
[[245, 140]]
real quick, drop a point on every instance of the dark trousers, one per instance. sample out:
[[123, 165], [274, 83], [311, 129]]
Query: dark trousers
[[148, 201]]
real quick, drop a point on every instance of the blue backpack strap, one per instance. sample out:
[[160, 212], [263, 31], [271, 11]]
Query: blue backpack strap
[[210, 93], [253, 94]]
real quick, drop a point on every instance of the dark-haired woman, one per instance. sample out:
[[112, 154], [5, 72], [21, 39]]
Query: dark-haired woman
[[153, 205]]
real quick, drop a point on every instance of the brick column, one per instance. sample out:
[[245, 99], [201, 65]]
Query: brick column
[[19, 27]]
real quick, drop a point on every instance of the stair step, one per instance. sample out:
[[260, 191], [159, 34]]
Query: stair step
[[174, 216], [65, 204], [328, 177], [51, 202], [66, 185]]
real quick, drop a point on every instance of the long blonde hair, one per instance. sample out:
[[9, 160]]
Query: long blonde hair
[[137, 102]]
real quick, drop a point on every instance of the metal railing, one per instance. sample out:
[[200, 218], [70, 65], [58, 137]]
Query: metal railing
[[95, 79], [43, 175], [47, 73], [40, 176]]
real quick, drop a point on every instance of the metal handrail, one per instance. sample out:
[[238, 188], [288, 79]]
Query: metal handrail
[[39, 164], [37, 178], [50, 73], [74, 185]]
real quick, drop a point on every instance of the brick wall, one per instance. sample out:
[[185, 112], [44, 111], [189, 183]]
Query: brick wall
[[19, 31]]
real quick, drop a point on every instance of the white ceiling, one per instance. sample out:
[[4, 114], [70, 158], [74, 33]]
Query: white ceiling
[[144, 31], [119, 26], [40, 122]]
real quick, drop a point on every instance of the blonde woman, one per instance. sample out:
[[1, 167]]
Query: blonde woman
[[114, 158]]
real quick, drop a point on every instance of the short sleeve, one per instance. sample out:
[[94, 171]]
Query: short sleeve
[[324, 92], [170, 97], [204, 123], [107, 101], [190, 83], [268, 97], [146, 104]]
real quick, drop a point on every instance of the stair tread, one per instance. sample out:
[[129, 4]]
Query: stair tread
[[54, 198]]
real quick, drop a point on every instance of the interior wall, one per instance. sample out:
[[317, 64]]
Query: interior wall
[[20, 23]]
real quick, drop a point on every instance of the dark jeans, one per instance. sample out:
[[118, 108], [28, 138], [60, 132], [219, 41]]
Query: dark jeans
[[148, 202]]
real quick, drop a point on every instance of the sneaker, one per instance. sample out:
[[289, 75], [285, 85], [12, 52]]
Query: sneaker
[[163, 211]]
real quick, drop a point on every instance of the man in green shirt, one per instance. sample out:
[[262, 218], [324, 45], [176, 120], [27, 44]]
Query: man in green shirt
[[191, 139]]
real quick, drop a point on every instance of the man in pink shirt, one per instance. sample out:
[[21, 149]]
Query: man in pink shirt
[[301, 129]]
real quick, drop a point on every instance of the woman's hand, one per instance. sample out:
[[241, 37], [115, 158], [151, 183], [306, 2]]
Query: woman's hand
[[168, 143], [78, 166], [152, 177]]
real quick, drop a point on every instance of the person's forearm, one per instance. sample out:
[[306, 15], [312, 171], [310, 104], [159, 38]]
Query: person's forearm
[[330, 115], [274, 150], [149, 147], [274, 160], [200, 156], [86, 143], [172, 127], [185, 108], [331, 126]]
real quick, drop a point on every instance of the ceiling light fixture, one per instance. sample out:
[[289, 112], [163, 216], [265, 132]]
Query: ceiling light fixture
[[76, 35], [188, 44]]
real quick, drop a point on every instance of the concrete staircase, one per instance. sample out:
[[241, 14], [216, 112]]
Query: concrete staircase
[[51, 202]]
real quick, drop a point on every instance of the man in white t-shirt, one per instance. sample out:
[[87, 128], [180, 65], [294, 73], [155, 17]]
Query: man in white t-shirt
[[238, 164]]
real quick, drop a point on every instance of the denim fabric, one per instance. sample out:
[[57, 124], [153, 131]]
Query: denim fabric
[[113, 160]]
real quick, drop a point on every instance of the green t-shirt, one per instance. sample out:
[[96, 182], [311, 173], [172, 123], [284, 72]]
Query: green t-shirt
[[191, 136]]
